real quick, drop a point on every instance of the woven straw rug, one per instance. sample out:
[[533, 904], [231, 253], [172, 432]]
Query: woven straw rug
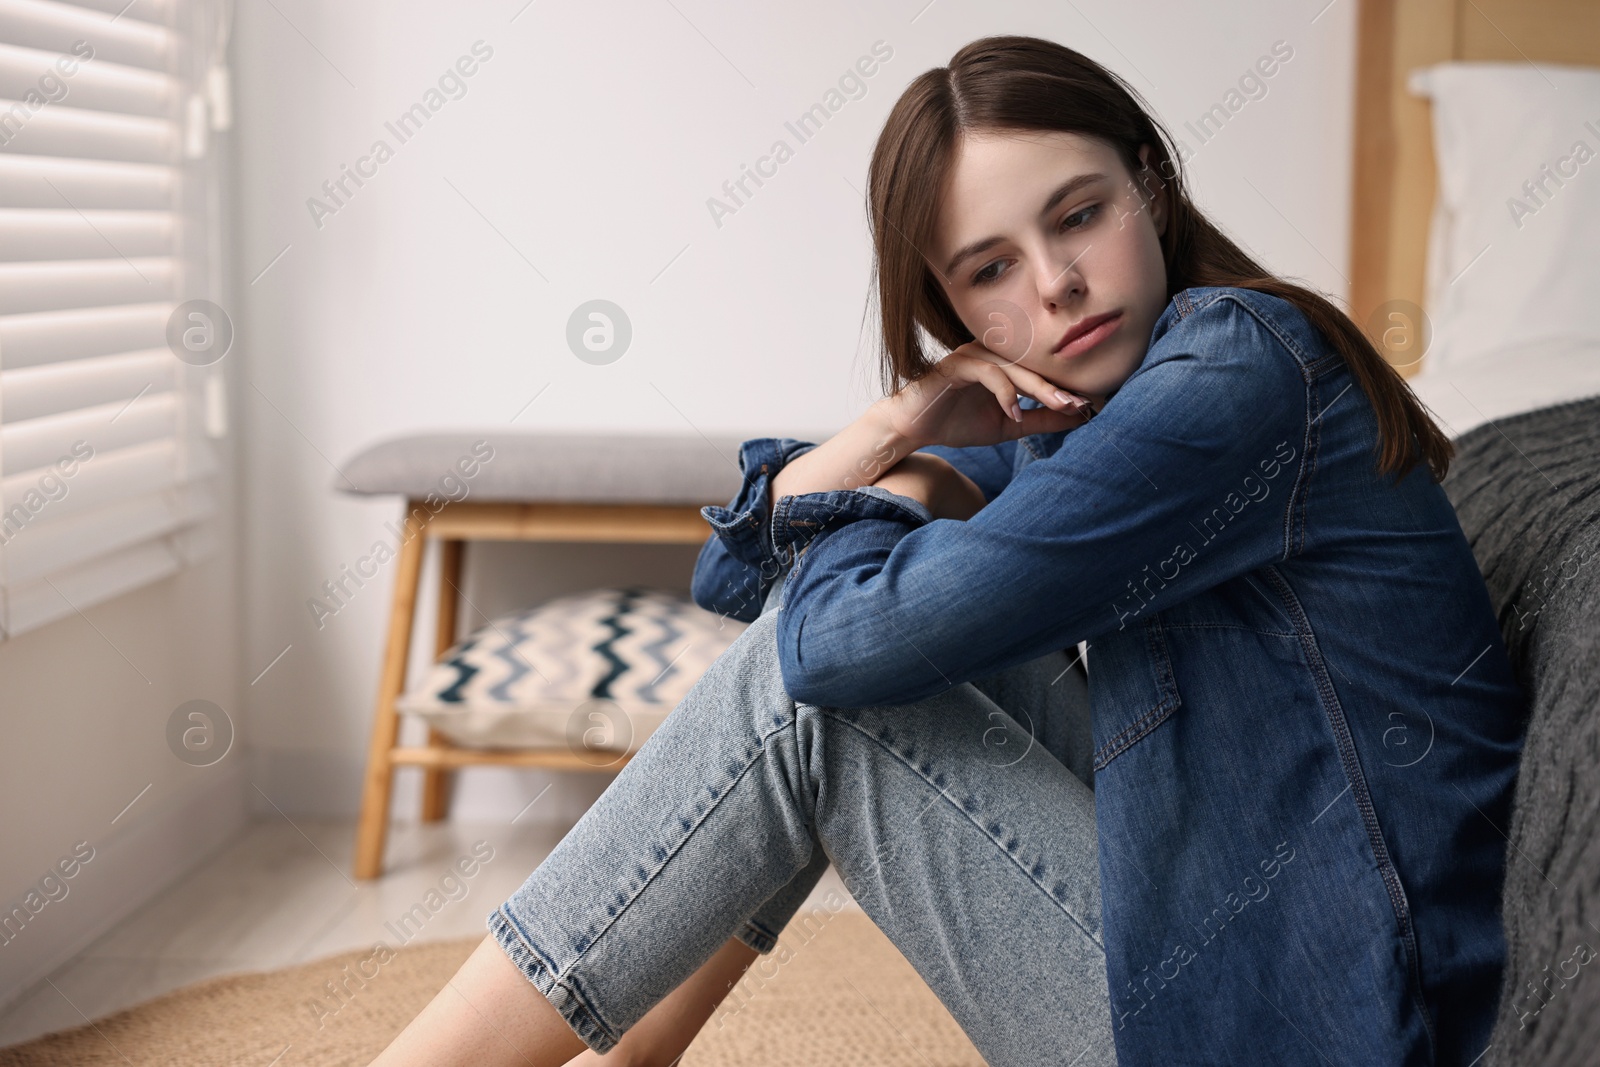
[[842, 996]]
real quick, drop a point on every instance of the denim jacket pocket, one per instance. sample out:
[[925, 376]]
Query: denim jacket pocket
[[1131, 687]]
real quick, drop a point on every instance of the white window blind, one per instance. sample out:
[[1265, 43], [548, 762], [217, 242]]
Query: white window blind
[[108, 222]]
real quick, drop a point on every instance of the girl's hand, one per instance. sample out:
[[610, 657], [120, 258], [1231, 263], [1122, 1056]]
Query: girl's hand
[[970, 398]]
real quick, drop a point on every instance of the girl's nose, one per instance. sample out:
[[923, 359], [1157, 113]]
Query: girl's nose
[[1061, 282]]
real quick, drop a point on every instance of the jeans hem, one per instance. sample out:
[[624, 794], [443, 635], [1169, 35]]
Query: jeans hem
[[527, 959], [755, 937]]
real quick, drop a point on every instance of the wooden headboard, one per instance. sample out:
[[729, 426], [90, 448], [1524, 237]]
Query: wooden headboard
[[1394, 176]]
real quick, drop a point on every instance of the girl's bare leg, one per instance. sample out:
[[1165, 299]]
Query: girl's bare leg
[[664, 1034], [489, 1014]]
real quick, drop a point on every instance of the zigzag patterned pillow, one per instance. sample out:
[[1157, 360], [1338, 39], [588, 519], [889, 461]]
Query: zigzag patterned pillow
[[596, 672]]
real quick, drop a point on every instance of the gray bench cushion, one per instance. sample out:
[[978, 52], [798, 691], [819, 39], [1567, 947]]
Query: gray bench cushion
[[559, 467]]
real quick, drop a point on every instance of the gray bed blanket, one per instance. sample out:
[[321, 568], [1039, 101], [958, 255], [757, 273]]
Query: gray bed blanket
[[1527, 491]]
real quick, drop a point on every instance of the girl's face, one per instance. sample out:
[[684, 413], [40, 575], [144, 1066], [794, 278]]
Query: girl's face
[[1042, 234]]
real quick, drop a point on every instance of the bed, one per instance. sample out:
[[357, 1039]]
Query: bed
[[1475, 255]]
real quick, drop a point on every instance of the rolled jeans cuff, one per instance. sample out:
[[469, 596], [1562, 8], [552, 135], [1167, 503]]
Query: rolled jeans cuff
[[567, 1001]]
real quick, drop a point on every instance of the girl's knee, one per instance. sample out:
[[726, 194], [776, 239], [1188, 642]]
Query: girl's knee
[[745, 677]]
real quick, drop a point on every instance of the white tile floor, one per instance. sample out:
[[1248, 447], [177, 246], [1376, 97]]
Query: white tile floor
[[277, 896]]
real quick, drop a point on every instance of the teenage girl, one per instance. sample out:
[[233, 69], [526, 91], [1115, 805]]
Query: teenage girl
[[1263, 826]]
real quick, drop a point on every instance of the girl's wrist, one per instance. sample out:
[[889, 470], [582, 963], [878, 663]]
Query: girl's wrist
[[856, 456], [883, 411], [890, 444]]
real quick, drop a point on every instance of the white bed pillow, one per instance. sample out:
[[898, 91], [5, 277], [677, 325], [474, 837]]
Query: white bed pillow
[[1510, 262], [1495, 385]]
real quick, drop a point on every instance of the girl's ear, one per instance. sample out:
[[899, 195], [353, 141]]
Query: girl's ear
[[1155, 190]]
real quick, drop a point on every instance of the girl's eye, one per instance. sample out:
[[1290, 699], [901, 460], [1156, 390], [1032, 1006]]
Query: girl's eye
[[988, 274], [1075, 221], [1084, 215]]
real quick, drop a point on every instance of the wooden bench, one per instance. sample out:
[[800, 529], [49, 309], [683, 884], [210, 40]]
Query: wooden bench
[[593, 489]]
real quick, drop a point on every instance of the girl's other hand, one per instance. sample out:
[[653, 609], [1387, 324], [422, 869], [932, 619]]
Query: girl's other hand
[[970, 398]]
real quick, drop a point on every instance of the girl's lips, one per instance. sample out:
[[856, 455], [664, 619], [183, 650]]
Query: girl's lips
[[1080, 344]]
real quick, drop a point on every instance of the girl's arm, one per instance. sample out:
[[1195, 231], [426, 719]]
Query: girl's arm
[[1184, 481], [941, 408], [737, 565]]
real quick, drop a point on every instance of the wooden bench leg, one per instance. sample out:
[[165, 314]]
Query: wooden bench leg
[[373, 828], [436, 781]]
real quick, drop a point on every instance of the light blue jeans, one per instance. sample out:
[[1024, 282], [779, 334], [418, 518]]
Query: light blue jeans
[[963, 825]]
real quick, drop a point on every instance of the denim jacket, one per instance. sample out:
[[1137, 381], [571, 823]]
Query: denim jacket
[[1306, 726]]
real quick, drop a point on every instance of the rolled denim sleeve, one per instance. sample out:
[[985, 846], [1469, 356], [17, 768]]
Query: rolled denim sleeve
[[738, 563], [750, 549], [1164, 494], [741, 560]]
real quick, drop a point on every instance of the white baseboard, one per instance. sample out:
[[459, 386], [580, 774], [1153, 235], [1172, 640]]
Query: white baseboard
[[129, 869]]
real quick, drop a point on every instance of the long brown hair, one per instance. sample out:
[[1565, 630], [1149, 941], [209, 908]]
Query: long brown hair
[[1024, 83]]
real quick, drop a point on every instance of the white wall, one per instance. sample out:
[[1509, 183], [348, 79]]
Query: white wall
[[85, 762], [578, 165]]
